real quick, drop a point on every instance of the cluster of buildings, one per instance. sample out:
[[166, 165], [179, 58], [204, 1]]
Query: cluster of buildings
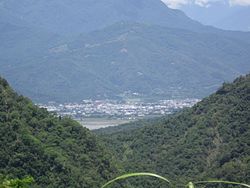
[[118, 109]]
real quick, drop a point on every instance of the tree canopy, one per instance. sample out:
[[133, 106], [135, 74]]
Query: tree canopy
[[209, 140], [56, 152]]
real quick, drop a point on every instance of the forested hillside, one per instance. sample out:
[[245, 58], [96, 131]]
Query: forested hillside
[[210, 140], [55, 151]]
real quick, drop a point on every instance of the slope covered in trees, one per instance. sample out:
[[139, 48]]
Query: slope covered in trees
[[209, 140], [56, 152]]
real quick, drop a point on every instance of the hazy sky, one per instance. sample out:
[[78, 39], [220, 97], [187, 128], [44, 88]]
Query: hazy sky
[[205, 3]]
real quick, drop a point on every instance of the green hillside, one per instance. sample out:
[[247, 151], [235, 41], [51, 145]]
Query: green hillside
[[209, 140], [55, 151]]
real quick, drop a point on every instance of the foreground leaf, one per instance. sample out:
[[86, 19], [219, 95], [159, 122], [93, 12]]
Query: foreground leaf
[[125, 176]]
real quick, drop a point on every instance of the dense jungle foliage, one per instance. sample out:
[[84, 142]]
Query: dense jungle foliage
[[209, 140], [56, 152]]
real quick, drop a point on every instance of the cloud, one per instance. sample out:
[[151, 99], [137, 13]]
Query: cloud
[[204, 3], [175, 3], [239, 2]]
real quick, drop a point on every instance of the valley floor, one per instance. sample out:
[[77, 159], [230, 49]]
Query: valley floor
[[97, 123]]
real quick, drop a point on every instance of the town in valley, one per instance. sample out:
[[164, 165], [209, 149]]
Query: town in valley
[[102, 113]]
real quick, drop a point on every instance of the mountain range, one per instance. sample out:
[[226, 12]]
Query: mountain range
[[221, 15], [75, 17], [139, 47]]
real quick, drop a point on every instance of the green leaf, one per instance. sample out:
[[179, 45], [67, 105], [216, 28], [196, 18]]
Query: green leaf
[[125, 176]]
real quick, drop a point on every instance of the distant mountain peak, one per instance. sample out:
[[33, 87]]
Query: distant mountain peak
[[74, 17]]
